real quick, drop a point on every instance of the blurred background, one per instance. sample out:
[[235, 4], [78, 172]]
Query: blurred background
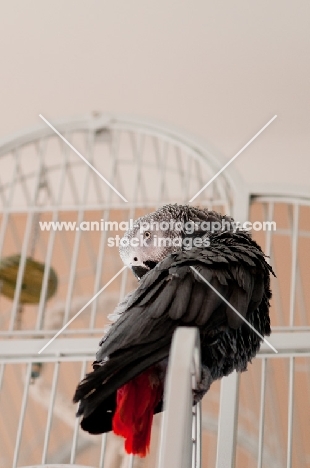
[[158, 96]]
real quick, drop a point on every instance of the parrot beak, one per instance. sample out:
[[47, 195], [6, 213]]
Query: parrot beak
[[139, 271]]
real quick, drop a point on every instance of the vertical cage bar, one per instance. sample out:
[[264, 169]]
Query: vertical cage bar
[[137, 151], [98, 273], [196, 436], [5, 215], [294, 262], [176, 433], [25, 245], [262, 415], [188, 178], [76, 246], [50, 245], [103, 450], [90, 150], [22, 415], [77, 421], [269, 215], [181, 173], [1, 374], [290, 413], [227, 425], [163, 151], [21, 270], [102, 243], [50, 412]]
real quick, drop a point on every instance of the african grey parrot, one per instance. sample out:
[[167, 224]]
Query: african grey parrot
[[125, 388]]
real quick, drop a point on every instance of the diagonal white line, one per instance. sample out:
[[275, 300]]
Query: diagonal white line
[[235, 310], [233, 158], [83, 308], [82, 157]]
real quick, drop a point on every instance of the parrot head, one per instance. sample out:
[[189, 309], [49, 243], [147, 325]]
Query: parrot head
[[151, 239], [155, 236]]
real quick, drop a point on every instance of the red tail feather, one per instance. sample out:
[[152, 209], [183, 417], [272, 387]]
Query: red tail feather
[[135, 406]]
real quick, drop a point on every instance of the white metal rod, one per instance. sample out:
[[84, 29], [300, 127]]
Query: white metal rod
[[93, 180], [77, 203], [137, 151], [120, 123], [77, 421], [99, 206], [162, 158], [193, 150], [22, 178], [262, 415], [50, 412], [99, 266], [137, 144], [284, 199], [301, 295], [66, 249], [198, 435], [179, 162], [131, 461], [290, 414], [2, 194], [227, 425], [73, 269], [77, 357], [6, 214], [176, 441], [76, 246], [20, 274], [25, 246], [50, 246], [102, 244], [2, 367], [287, 343], [294, 262], [188, 176], [71, 165], [103, 450], [99, 331], [22, 415], [270, 215], [194, 437], [52, 331]]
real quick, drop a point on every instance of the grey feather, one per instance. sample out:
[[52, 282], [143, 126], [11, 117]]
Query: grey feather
[[171, 294]]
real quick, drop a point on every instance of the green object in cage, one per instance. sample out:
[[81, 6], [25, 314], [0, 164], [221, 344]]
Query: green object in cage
[[32, 279], [36, 369]]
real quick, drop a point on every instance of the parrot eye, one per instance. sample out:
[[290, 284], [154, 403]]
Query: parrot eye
[[147, 234]]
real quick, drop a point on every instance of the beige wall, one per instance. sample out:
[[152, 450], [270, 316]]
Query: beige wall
[[218, 69]]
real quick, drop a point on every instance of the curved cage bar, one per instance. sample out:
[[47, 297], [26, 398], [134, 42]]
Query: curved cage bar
[[56, 207], [276, 414], [180, 433], [258, 418], [42, 181]]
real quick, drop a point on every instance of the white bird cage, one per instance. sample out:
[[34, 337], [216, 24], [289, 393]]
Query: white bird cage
[[262, 420]]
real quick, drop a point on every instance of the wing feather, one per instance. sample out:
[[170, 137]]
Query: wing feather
[[172, 295], [180, 301]]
